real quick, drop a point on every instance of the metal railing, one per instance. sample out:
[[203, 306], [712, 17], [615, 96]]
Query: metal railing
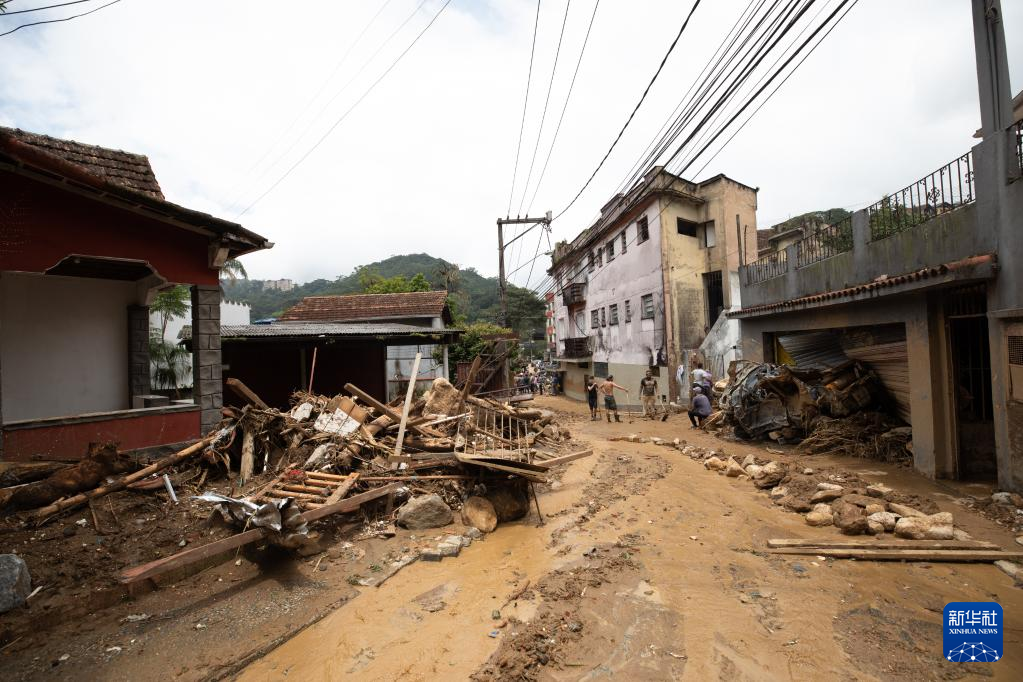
[[768, 267], [944, 190], [574, 293], [1017, 127], [577, 347], [824, 243]]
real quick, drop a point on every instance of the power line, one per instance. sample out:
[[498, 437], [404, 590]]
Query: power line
[[350, 109], [546, 103], [561, 118], [40, 9], [621, 132], [525, 104], [57, 21]]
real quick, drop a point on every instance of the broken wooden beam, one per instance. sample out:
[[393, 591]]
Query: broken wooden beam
[[554, 461], [342, 488], [929, 555], [868, 543], [245, 393], [389, 412]]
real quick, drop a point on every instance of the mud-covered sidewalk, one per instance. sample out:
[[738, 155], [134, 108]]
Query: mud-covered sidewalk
[[649, 566]]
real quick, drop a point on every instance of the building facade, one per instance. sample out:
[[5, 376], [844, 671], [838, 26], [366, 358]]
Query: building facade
[[645, 286]]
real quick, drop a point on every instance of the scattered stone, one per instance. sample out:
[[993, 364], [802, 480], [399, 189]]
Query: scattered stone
[[1019, 540], [826, 495], [808, 471], [733, 468], [903, 510], [632, 437], [796, 504], [1011, 569], [473, 533], [849, 518], [886, 519], [779, 492], [828, 486], [934, 527], [873, 509], [750, 460], [15, 582], [770, 475], [676, 442], [753, 469], [878, 490], [69, 531], [449, 550], [479, 512], [655, 440], [874, 527], [959, 534], [430, 555], [858, 500], [820, 516], [424, 511], [715, 464], [1008, 499]]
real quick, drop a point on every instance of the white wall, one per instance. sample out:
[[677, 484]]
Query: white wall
[[63, 345]]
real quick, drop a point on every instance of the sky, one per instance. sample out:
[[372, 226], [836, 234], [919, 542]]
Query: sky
[[285, 117]]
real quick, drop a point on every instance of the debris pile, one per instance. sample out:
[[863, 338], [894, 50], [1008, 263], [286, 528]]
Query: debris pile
[[841, 409]]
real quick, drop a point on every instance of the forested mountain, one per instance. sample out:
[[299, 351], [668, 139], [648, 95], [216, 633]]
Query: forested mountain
[[474, 297]]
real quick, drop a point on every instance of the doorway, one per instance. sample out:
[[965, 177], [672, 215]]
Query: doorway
[[970, 355]]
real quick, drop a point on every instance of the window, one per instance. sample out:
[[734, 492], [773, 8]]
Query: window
[[642, 230], [613, 313], [715, 294], [647, 307], [594, 319], [610, 250], [603, 317], [600, 369], [686, 227], [628, 311], [710, 238], [624, 245], [593, 262]]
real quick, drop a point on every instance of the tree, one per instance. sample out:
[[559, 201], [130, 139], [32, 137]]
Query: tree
[[169, 359], [171, 303], [476, 339], [233, 270], [448, 273], [373, 283]]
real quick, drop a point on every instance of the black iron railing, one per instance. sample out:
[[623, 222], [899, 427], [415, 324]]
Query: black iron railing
[[768, 267], [944, 190], [574, 293], [577, 347], [1017, 127], [824, 243]]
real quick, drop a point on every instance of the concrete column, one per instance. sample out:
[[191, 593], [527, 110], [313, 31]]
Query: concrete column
[[138, 353], [207, 377], [861, 238], [927, 403]]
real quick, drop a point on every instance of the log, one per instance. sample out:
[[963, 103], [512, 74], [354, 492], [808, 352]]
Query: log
[[880, 544], [954, 555], [196, 554], [16, 473], [385, 410], [245, 393], [248, 462], [554, 461], [101, 461], [70, 503]]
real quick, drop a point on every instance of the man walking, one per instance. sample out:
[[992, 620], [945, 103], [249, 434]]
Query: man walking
[[648, 394], [608, 389], [591, 396], [700, 408]]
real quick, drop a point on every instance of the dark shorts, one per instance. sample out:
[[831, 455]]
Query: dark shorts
[[592, 400], [609, 403]]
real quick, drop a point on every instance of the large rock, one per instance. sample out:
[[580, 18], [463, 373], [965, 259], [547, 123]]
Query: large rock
[[859, 500], [715, 464], [903, 510], [479, 512], [443, 398], [510, 502], [878, 490], [748, 461], [15, 583], [826, 495], [934, 527], [733, 468], [770, 475], [796, 504], [779, 493], [753, 469], [425, 511], [849, 518], [824, 485], [1007, 499], [886, 519], [820, 516], [873, 509]]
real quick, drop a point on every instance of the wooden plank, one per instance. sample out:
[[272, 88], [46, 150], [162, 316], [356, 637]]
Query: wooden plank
[[320, 475], [299, 488], [868, 543], [533, 472], [248, 456], [408, 404], [388, 411], [554, 461], [245, 393], [413, 478], [274, 492], [352, 503], [470, 378], [342, 489], [936, 555]]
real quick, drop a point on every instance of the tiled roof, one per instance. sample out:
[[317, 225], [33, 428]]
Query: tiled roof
[[113, 165], [293, 329], [368, 307]]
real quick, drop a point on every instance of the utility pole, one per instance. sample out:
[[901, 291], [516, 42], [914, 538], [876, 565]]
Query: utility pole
[[545, 221]]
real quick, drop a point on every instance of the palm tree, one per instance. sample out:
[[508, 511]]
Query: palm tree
[[169, 359], [232, 270], [449, 274]]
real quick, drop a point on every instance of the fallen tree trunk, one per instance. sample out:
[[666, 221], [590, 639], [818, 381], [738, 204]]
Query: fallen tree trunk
[[18, 473], [41, 515], [101, 461]]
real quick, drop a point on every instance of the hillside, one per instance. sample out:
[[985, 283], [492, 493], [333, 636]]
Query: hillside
[[474, 296], [812, 219]]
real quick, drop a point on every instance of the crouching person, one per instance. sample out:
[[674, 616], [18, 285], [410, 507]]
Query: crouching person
[[700, 408]]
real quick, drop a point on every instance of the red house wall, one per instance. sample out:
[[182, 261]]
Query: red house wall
[[42, 224]]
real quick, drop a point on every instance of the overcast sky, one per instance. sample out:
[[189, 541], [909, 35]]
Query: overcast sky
[[209, 90]]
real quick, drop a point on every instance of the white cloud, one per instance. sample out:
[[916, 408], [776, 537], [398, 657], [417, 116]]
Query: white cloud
[[425, 162]]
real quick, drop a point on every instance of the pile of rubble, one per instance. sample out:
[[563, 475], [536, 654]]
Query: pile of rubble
[[844, 409]]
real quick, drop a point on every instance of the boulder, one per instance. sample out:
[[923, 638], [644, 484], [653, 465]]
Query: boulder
[[749, 461], [479, 512], [15, 582], [797, 504], [878, 490], [903, 510], [826, 495], [779, 492], [715, 464], [934, 527], [873, 509], [443, 398], [849, 518], [1007, 499], [770, 475], [886, 519], [753, 469], [820, 516], [511, 502], [828, 486], [874, 527], [858, 500], [424, 511], [733, 468]]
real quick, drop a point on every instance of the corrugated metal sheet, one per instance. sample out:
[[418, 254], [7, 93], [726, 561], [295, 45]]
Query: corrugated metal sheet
[[814, 350]]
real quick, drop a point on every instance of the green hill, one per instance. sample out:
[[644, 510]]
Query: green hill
[[475, 297]]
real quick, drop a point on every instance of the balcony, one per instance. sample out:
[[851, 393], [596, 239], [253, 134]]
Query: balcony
[[577, 348], [574, 294]]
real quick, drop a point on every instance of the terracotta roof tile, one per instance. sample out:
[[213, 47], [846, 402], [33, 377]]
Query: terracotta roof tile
[[369, 307], [128, 170]]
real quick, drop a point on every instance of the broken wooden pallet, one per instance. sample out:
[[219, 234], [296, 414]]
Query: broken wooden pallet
[[315, 490], [895, 550]]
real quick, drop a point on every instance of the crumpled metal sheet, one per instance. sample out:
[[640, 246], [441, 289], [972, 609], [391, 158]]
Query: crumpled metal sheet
[[282, 517]]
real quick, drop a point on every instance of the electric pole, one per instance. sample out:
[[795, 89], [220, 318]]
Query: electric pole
[[545, 221]]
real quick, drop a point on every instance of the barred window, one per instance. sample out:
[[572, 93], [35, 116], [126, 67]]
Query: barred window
[[647, 304]]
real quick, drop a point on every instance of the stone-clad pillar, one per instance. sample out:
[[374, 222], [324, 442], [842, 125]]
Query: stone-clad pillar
[[206, 360], [138, 353]]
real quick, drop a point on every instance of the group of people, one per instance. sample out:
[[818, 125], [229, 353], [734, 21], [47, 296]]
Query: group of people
[[699, 407], [534, 379]]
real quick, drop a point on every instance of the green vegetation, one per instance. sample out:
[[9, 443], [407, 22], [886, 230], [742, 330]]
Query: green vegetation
[[169, 359], [813, 219]]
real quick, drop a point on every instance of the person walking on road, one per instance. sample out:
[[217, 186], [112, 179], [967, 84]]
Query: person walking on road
[[591, 396], [648, 394], [608, 389], [700, 408]]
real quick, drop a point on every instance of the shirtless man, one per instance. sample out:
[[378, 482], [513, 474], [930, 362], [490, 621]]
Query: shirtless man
[[608, 389]]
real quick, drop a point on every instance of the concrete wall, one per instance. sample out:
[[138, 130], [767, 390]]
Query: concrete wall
[[63, 345]]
